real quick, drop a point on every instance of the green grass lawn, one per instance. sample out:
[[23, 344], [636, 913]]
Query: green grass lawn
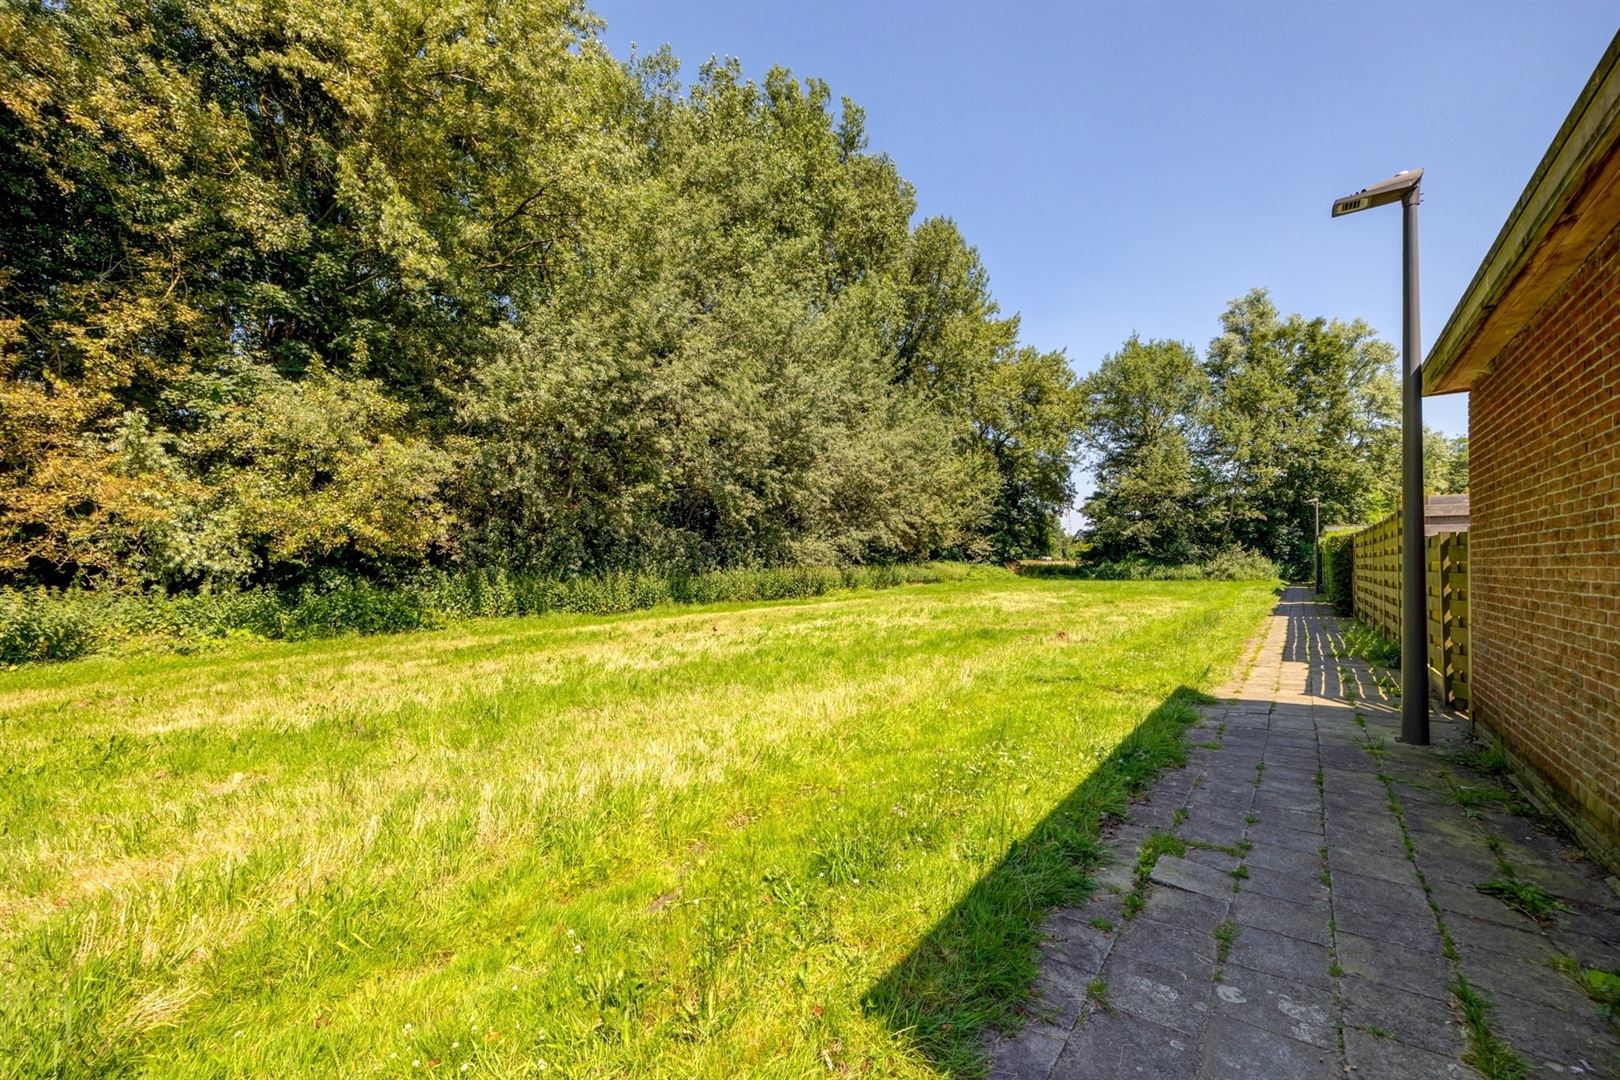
[[765, 840]]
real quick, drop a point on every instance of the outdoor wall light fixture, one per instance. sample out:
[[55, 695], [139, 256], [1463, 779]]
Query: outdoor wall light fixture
[[1403, 188]]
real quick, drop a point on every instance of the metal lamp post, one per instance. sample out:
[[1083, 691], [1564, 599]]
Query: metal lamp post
[[1403, 188]]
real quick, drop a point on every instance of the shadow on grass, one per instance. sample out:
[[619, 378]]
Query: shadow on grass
[[973, 972]]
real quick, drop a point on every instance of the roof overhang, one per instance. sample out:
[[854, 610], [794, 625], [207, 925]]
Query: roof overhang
[[1570, 204]]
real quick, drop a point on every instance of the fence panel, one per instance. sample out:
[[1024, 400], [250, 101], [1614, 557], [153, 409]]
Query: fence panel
[[1377, 592]]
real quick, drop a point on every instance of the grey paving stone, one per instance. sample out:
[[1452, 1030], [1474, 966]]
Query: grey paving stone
[[1595, 924], [1153, 942], [1283, 1006], [1170, 997], [1215, 860], [1413, 1019], [1156, 814], [1116, 875], [1507, 963], [1108, 1047], [1217, 804], [1590, 951], [1307, 922], [1377, 1058], [1274, 836], [1186, 910], [1307, 821], [1364, 826], [1463, 865], [1060, 993], [1269, 801], [1382, 867], [1276, 954], [1284, 860], [1455, 899], [1234, 1050], [1215, 825], [1575, 1037], [1399, 926], [1073, 940], [1292, 762], [1027, 1055], [1179, 873], [1300, 887], [1415, 971]]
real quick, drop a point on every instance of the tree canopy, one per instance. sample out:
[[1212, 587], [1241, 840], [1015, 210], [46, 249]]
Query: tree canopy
[[367, 286], [1193, 456]]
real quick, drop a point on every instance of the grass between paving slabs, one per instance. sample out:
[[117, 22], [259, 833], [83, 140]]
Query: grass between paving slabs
[[760, 840], [1487, 1051], [1602, 987]]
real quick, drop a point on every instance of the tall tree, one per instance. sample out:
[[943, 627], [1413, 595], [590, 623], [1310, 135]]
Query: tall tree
[[363, 285], [1301, 408], [1144, 408]]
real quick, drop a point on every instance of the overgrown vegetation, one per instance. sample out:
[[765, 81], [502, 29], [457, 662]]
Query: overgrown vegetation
[[1521, 895], [1231, 565], [46, 625], [733, 840], [1364, 641], [1602, 986], [1147, 857], [361, 288], [1198, 454]]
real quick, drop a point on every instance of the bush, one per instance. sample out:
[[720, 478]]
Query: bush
[[1234, 564], [49, 625], [1237, 564], [1339, 570], [38, 625], [354, 606]]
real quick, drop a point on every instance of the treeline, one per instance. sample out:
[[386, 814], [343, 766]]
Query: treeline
[[360, 288], [1199, 455]]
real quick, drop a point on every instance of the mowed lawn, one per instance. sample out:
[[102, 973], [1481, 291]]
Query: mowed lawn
[[784, 839]]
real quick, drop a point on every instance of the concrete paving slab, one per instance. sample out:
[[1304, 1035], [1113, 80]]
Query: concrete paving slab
[[1320, 979]]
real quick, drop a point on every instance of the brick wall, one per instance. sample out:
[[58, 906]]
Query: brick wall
[[1544, 449]]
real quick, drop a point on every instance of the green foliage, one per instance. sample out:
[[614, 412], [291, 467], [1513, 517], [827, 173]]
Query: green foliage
[[1195, 457], [1147, 857], [1230, 565], [63, 624], [1364, 641], [1339, 569], [1521, 895], [341, 288], [1445, 463], [1143, 408], [1487, 1051], [36, 625], [1602, 986]]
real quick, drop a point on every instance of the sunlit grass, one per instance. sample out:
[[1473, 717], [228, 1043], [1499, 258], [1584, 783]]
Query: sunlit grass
[[685, 842]]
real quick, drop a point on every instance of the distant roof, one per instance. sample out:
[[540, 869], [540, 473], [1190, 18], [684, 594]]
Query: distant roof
[[1445, 513], [1570, 204]]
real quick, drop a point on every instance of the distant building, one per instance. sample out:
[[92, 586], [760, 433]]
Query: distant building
[[1536, 342]]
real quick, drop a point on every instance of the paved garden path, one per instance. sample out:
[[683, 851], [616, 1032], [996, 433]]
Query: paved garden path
[[1323, 920]]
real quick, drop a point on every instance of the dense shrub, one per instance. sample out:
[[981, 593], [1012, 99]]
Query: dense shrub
[[48, 625], [1339, 569], [40, 625], [1234, 564]]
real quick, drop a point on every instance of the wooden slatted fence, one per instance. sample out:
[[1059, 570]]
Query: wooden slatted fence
[[1378, 596]]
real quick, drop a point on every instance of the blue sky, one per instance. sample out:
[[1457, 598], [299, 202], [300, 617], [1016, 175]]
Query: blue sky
[[1133, 167]]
